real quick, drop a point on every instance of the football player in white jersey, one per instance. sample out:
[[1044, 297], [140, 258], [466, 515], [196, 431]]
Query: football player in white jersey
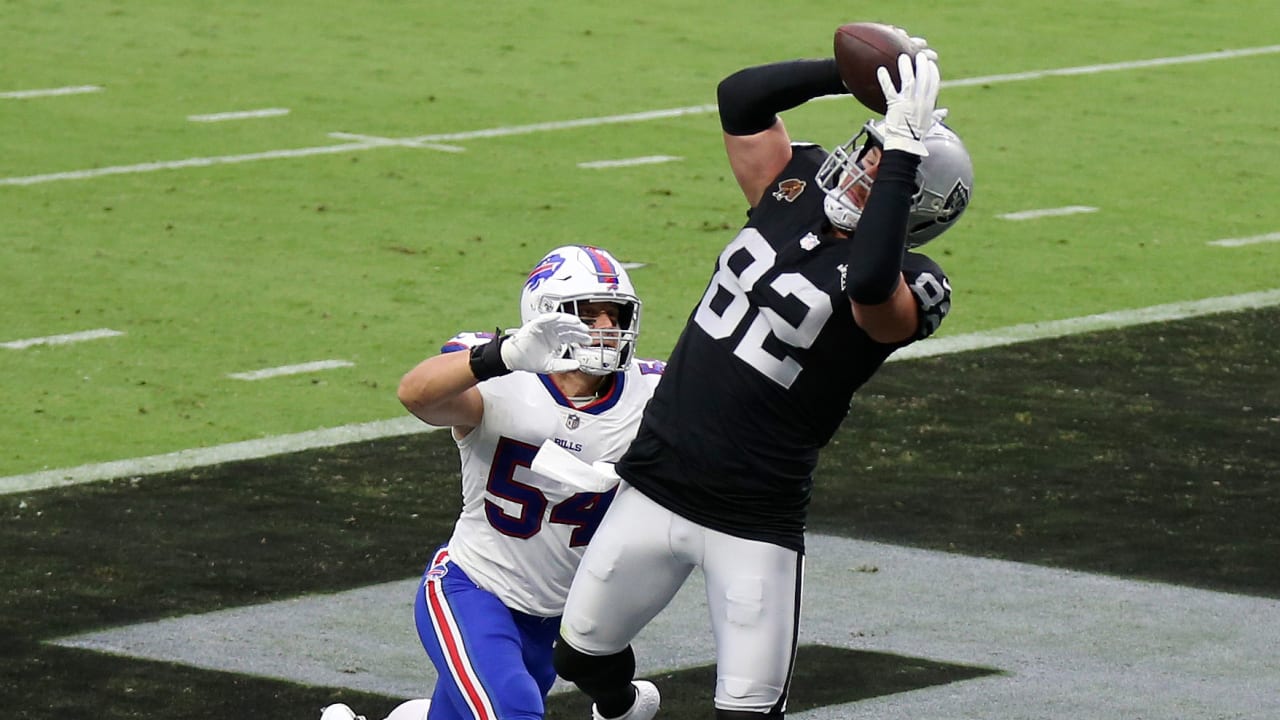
[[488, 608], [800, 312]]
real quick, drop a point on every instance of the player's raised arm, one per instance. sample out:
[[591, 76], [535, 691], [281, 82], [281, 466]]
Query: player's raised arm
[[755, 138]]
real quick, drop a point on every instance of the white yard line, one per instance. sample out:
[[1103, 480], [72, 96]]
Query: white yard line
[[251, 449], [239, 115], [629, 162], [49, 92], [201, 457], [426, 140], [1047, 212], [386, 141], [307, 367], [1240, 242], [68, 338]]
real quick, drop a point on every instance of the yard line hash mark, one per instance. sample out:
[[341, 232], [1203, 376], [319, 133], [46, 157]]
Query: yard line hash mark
[[49, 92], [328, 437], [1240, 242], [1048, 212], [66, 339], [598, 121], [389, 142], [239, 115], [629, 162], [298, 369]]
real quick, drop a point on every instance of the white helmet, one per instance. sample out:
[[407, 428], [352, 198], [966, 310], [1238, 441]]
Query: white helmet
[[576, 274], [944, 182]]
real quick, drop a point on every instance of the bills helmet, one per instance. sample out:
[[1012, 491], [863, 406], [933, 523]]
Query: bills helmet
[[574, 275], [944, 182]]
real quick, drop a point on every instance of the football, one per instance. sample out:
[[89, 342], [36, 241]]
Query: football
[[861, 48]]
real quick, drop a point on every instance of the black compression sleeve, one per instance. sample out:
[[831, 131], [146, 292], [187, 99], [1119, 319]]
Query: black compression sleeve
[[750, 99], [875, 253]]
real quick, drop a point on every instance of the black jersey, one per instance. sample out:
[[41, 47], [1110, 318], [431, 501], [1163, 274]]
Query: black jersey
[[765, 370]]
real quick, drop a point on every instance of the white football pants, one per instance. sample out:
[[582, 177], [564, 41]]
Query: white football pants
[[640, 556]]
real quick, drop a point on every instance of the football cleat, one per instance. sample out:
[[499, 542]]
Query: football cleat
[[338, 711], [645, 706], [411, 710]]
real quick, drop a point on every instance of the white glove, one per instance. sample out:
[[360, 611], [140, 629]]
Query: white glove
[[909, 114], [918, 44], [538, 346]]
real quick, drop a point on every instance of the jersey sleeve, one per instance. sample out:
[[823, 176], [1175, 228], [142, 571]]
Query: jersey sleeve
[[466, 341], [651, 371], [932, 290]]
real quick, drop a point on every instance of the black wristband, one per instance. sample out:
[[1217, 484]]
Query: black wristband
[[875, 253], [486, 359], [750, 99]]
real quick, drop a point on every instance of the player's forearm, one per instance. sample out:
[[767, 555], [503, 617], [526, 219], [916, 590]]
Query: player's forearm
[[434, 382], [750, 99], [875, 252]]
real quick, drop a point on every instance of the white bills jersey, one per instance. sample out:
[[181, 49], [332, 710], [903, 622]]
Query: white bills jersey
[[521, 535]]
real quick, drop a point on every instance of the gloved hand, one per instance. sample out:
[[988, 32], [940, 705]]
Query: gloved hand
[[909, 114], [918, 44], [538, 346]]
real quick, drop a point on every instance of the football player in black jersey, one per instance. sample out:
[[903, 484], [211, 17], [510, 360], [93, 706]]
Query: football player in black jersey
[[806, 302]]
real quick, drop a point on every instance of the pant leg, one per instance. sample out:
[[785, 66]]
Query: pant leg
[[478, 649]]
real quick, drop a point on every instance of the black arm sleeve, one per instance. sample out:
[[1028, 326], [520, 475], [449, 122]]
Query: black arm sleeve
[[875, 253], [750, 99]]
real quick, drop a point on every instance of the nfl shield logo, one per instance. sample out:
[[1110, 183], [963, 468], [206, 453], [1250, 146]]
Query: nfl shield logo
[[572, 422]]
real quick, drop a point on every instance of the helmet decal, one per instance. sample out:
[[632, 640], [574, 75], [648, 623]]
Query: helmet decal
[[606, 271], [543, 270], [957, 200]]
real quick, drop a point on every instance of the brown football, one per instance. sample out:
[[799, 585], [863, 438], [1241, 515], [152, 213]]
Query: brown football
[[861, 48]]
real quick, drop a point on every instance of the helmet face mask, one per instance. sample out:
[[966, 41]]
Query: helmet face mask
[[944, 182], [573, 276]]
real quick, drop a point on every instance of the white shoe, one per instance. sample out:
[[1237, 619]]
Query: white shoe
[[645, 706], [339, 711], [411, 710]]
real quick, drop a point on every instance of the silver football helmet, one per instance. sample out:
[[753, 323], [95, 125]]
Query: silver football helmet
[[577, 274], [944, 182]]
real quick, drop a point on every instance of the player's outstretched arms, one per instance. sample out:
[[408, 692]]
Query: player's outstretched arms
[[749, 100]]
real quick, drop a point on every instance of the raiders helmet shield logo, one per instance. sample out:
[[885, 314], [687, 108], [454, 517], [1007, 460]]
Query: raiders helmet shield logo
[[789, 189], [957, 200]]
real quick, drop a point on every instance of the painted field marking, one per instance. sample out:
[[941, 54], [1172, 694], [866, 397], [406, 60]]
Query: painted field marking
[[307, 367], [49, 92], [1239, 242], [66, 339], [389, 142], [201, 457], [1067, 643], [239, 115], [629, 162], [1048, 212], [606, 120], [328, 437], [1088, 323]]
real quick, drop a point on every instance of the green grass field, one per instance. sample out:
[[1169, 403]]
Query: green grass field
[[375, 255], [430, 154]]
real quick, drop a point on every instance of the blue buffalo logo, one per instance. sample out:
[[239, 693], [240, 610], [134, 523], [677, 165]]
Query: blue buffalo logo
[[545, 269]]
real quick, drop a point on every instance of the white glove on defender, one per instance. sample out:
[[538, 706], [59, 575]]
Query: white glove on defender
[[538, 346], [909, 114]]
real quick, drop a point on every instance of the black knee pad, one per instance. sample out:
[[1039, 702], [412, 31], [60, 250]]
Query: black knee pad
[[591, 670]]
